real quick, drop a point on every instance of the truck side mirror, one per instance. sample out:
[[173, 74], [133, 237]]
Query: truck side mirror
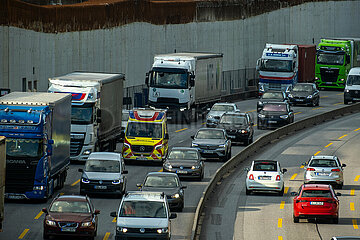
[[347, 59], [98, 116], [147, 79], [49, 147], [258, 64], [192, 80], [50, 141]]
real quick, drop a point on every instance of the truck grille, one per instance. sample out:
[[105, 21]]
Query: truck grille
[[167, 100], [142, 148], [329, 74], [19, 178], [76, 146]]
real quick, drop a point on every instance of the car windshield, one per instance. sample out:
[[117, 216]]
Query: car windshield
[[140, 129], [276, 65], [233, 119], [265, 166], [316, 193], [275, 108], [22, 147], [183, 155], [225, 108], [353, 80], [210, 134], [161, 181], [330, 59], [302, 88], [143, 209], [70, 207], [272, 95], [102, 166], [323, 163]]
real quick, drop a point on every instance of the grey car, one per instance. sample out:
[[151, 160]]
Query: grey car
[[271, 96], [103, 174], [212, 143], [324, 169], [217, 110]]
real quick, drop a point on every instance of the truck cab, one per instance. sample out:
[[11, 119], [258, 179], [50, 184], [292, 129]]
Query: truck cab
[[278, 67], [146, 136]]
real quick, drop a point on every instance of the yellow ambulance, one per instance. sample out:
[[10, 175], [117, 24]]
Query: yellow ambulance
[[146, 136]]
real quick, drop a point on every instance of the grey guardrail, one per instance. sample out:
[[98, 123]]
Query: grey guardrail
[[228, 167]]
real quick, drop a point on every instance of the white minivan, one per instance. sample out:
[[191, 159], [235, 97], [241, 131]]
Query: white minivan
[[352, 87]]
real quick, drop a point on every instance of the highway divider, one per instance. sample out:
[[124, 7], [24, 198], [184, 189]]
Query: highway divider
[[230, 166]]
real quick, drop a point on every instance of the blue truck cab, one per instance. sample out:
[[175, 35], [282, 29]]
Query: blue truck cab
[[37, 130]]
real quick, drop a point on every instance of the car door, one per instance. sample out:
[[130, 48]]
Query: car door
[[250, 124], [290, 113]]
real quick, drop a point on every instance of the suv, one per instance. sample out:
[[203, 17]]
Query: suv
[[271, 96], [143, 215], [217, 110]]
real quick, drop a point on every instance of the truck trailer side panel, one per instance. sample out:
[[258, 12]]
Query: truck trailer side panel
[[2, 178], [307, 56]]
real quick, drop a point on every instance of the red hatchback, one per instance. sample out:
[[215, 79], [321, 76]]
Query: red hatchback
[[315, 201], [70, 215]]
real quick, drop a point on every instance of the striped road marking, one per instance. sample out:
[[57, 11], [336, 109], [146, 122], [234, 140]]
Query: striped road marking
[[317, 153], [352, 206], [75, 183], [39, 215], [107, 235], [352, 192], [328, 145], [181, 130], [23, 233], [343, 136], [357, 178], [282, 204], [354, 222], [293, 176], [280, 223], [286, 190]]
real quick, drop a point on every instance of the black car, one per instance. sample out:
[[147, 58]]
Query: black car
[[185, 162], [238, 127], [304, 93], [275, 115], [271, 96], [168, 183]]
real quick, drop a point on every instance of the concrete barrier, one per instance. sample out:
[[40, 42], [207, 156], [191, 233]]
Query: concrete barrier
[[230, 166]]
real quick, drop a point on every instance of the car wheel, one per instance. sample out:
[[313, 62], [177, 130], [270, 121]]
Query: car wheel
[[346, 102], [318, 102], [340, 186], [248, 192], [229, 155], [251, 139], [296, 219], [313, 103], [45, 236], [335, 220]]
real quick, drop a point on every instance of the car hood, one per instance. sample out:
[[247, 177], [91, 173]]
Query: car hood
[[271, 100], [167, 191], [184, 163], [101, 176], [70, 217], [270, 113], [132, 222], [231, 126], [300, 94], [216, 113], [209, 141]]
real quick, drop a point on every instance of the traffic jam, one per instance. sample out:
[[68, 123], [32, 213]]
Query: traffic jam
[[147, 163]]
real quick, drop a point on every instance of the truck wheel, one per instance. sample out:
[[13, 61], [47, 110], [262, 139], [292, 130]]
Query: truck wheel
[[248, 192]]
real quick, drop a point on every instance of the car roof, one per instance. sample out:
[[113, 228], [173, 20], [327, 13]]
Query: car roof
[[144, 196], [77, 198], [267, 161], [323, 157], [184, 148], [316, 187], [276, 103], [235, 113], [212, 129], [225, 103], [354, 71], [105, 156], [161, 174]]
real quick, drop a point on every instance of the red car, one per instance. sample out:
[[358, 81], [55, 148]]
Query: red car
[[70, 215], [315, 201]]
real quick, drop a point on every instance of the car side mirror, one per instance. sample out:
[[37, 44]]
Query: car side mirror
[[113, 214], [246, 169], [294, 193], [80, 170], [284, 170], [139, 185], [125, 172], [343, 165], [192, 137], [183, 187], [338, 194], [173, 215], [166, 136], [97, 212], [44, 210]]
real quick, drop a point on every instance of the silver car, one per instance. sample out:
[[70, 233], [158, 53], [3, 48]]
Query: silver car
[[324, 169], [217, 110]]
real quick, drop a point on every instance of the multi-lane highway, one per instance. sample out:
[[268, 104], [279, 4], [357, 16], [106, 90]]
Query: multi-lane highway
[[23, 220]]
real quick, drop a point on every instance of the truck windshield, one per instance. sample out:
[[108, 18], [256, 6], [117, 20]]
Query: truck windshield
[[169, 78], [353, 80], [82, 114], [20, 147], [330, 59], [139, 129], [274, 65]]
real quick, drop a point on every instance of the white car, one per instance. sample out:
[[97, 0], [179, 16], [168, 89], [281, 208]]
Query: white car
[[265, 175]]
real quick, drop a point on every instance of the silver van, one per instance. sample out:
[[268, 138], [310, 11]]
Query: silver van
[[352, 87]]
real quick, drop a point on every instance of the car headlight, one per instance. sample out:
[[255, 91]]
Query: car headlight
[[260, 103], [85, 180], [316, 78], [210, 117], [284, 116], [221, 145], [342, 80], [195, 167], [347, 90], [261, 115], [310, 96], [243, 131], [162, 230], [167, 165], [86, 224], [117, 181], [121, 229], [87, 152], [38, 188], [50, 223], [158, 147], [194, 144], [176, 195]]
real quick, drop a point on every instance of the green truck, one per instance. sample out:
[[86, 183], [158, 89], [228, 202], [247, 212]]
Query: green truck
[[334, 59]]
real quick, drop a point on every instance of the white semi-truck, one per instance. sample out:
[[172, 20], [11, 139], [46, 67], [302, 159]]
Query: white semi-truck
[[97, 100], [185, 84]]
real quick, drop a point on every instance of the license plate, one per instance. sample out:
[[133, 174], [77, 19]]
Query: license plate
[[264, 178], [328, 83], [100, 187], [14, 196], [68, 229], [230, 136], [272, 121], [316, 203], [141, 158], [207, 151], [299, 100], [322, 174], [180, 171]]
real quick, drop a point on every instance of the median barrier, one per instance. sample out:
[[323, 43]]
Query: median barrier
[[228, 167]]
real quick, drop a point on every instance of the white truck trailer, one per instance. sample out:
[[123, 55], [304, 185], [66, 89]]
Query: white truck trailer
[[97, 100], [185, 83]]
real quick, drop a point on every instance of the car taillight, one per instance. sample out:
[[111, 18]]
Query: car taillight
[[310, 169], [251, 177], [335, 170], [277, 178]]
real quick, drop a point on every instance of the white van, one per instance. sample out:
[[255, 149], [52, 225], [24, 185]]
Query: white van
[[352, 87]]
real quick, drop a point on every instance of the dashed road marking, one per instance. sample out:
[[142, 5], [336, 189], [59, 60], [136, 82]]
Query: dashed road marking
[[329, 145], [354, 222], [297, 113], [251, 111], [293, 176], [352, 192], [282, 204], [352, 206], [340, 94], [107, 235], [286, 190], [342, 136], [160, 170], [317, 153], [39, 215], [22, 235], [114, 220], [280, 238], [181, 130], [324, 96], [357, 178], [335, 104], [317, 108], [302, 166], [75, 183], [280, 223]]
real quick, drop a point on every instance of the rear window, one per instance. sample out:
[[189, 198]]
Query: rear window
[[265, 166], [323, 163], [316, 193]]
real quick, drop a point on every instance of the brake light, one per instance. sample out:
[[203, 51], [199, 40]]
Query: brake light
[[310, 169], [277, 178], [251, 177], [335, 170]]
